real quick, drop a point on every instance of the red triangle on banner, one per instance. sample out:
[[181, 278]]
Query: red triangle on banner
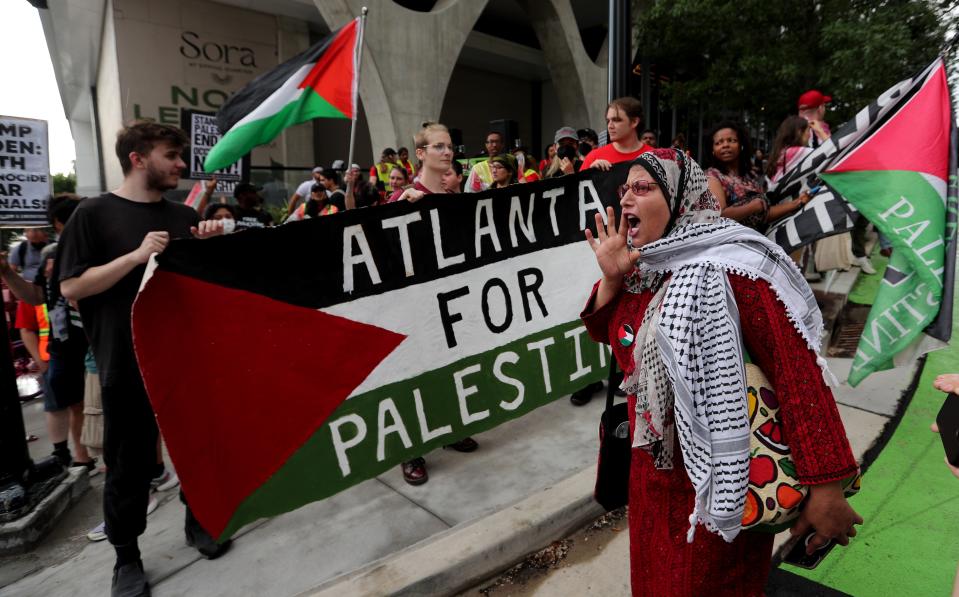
[[915, 139], [240, 381]]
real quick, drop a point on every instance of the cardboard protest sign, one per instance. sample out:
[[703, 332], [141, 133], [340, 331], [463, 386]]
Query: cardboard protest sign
[[25, 183], [204, 134], [287, 364]]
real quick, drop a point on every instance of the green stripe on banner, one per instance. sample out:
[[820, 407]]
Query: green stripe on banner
[[372, 432], [240, 140]]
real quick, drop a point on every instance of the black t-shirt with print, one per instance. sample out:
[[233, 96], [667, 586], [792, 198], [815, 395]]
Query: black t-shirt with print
[[252, 218], [100, 230]]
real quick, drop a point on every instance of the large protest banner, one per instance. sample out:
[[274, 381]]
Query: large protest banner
[[25, 183], [287, 364], [204, 134]]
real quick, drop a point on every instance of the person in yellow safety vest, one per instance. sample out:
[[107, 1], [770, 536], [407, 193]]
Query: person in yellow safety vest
[[481, 177], [380, 172]]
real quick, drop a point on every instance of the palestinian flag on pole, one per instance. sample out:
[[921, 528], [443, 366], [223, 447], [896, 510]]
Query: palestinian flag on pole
[[899, 177], [317, 83]]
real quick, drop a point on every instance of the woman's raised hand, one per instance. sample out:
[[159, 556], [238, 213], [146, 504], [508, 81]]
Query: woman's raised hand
[[612, 251]]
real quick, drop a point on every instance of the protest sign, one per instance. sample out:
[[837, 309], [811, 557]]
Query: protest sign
[[341, 346], [204, 134], [25, 183]]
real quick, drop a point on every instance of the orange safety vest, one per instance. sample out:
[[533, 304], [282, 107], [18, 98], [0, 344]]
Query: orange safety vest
[[43, 330]]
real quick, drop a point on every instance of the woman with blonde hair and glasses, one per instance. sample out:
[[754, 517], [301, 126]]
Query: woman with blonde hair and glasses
[[434, 150]]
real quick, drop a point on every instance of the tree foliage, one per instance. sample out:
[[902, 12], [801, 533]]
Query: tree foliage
[[64, 183], [755, 57]]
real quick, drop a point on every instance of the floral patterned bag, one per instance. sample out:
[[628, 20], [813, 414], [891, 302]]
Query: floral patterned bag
[[774, 495]]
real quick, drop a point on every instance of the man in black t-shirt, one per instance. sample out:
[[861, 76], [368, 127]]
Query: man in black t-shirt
[[248, 211], [103, 254]]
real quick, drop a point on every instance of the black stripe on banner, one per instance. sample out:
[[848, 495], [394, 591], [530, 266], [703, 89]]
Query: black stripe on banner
[[806, 226], [332, 259]]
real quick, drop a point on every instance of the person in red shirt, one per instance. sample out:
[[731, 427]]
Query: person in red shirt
[[623, 117]]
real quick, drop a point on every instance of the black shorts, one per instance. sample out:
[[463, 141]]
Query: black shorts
[[64, 381]]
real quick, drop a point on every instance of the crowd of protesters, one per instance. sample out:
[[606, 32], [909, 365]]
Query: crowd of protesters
[[75, 296]]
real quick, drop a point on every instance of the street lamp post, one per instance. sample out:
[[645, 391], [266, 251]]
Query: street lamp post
[[619, 48]]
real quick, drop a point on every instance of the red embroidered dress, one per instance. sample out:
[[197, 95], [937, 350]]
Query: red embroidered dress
[[661, 561]]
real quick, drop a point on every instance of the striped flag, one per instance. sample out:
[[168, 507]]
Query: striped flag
[[193, 199], [317, 83], [899, 178], [825, 214]]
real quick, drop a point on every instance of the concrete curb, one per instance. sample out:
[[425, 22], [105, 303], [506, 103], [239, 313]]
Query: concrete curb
[[22, 534], [465, 555]]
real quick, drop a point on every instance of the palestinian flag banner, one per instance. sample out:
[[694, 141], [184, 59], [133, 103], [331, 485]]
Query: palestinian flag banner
[[306, 358], [320, 82], [897, 177]]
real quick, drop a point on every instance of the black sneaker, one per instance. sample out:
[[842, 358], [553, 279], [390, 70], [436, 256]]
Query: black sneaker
[[130, 581], [467, 444], [584, 395], [63, 457], [204, 543]]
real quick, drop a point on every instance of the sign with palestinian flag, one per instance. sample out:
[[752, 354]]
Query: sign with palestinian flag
[[303, 359], [898, 177], [317, 83]]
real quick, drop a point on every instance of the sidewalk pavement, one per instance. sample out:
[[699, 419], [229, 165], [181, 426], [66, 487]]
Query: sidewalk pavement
[[600, 565], [529, 484]]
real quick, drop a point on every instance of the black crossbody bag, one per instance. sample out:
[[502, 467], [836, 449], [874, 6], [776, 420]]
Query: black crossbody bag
[[612, 471]]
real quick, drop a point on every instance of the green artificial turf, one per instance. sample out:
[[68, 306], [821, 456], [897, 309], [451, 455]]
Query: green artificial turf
[[909, 544], [866, 287]]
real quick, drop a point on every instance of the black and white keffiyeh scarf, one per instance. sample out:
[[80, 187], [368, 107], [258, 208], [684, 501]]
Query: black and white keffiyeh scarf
[[689, 375]]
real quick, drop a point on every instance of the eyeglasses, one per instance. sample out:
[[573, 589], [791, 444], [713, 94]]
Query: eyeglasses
[[438, 147], [638, 187]]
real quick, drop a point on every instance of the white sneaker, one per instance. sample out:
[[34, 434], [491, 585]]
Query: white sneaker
[[864, 264], [168, 480], [152, 504], [98, 533]]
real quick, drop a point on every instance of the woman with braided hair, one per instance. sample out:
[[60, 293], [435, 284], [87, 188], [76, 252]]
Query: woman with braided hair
[[686, 293]]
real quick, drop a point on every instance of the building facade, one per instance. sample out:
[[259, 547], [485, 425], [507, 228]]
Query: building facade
[[467, 63]]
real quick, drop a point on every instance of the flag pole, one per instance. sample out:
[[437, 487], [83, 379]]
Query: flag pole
[[356, 102]]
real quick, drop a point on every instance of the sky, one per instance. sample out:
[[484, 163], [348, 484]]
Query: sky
[[30, 88]]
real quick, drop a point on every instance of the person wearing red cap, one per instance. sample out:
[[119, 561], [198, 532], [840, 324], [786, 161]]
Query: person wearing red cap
[[812, 107]]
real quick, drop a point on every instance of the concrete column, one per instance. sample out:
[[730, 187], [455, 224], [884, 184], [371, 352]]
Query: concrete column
[[88, 163], [580, 83], [408, 60]]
